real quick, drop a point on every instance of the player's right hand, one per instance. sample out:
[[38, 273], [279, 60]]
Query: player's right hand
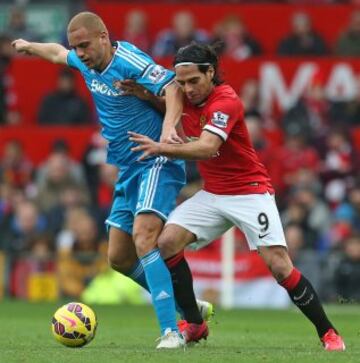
[[21, 46]]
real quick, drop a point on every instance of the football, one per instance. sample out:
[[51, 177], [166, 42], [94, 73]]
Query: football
[[74, 324]]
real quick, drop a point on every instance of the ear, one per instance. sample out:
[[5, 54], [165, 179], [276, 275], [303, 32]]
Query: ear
[[211, 72], [104, 36]]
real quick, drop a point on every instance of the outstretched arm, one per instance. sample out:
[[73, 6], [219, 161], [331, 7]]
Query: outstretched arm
[[52, 52], [205, 147]]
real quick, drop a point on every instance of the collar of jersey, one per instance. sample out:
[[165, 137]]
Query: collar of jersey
[[112, 60]]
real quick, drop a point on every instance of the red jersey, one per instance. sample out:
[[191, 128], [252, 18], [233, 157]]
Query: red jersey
[[236, 168]]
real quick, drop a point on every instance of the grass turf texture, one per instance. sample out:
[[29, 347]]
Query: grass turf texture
[[127, 334]]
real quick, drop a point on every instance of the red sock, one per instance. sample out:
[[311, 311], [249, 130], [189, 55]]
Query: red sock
[[174, 260], [292, 280]]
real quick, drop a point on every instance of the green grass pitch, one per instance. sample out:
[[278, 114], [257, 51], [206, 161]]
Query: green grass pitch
[[127, 334]]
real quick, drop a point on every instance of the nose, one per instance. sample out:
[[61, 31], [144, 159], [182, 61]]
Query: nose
[[188, 88], [80, 52]]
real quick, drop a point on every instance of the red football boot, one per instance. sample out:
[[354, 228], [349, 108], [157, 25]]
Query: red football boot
[[193, 332], [332, 341]]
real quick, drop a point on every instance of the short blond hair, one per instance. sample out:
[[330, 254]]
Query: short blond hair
[[90, 21]]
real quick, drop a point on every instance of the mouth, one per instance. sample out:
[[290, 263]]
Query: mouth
[[195, 99], [192, 97]]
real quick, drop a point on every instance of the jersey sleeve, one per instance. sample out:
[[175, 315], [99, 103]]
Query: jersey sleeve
[[141, 67], [222, 116], [74, 61]]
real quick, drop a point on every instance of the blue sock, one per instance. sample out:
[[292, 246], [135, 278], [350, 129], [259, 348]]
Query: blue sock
[[138, 275], [162, 294]]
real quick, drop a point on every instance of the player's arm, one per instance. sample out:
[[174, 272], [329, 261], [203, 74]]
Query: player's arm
[[131, 88], [171, 105], [174, 108], [205, 147], [52, 52]]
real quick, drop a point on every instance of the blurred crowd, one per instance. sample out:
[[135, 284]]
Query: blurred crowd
[[229, 34], [58, 208]]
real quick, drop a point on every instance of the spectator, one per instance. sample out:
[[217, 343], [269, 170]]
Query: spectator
[[83, 255], [318, 215], [70, 197], [136, 31], [347, 274], [56, 180], [237, 43], [26, 224], [296, 213], [61, 148], [288, 159], [64, 106], [15, 168], [349, 210], [250, 96], [346, 113], [310, 115], [340, 158], [18, 27], [349, 41], [303, 41], [182, 33]]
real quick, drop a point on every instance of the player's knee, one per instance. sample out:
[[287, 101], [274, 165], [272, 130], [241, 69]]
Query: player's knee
[[145, 239], [120, 260], [168, 246]]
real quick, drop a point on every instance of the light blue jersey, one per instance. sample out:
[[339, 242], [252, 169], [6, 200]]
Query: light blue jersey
[[150, 186], [119, 114]]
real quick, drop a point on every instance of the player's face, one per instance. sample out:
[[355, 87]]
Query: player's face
[[195, 84], [89, 46]]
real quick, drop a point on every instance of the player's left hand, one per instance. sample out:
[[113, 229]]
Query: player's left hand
[[129, 87], [147, 145]]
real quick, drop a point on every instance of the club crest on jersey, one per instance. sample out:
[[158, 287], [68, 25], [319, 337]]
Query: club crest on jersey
[[202, 121], [220, 119], [157, 74]]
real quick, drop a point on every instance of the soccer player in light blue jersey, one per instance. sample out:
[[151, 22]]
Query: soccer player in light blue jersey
[[146, 191]]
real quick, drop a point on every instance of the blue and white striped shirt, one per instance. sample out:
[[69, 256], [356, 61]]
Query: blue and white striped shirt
[[119, 114]]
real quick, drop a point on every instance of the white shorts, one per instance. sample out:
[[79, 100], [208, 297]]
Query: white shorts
[[208, 216]]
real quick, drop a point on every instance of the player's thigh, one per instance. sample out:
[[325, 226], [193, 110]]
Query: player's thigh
[[121, 250], [201, 216], [258, 217], [160, 185], [146, 230]]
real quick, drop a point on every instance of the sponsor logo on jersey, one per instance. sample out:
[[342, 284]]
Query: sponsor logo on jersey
[[157, 74], [220, 119], [104, 89]]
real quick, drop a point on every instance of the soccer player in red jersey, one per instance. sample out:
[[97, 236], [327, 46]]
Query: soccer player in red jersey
[[237, 191]]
